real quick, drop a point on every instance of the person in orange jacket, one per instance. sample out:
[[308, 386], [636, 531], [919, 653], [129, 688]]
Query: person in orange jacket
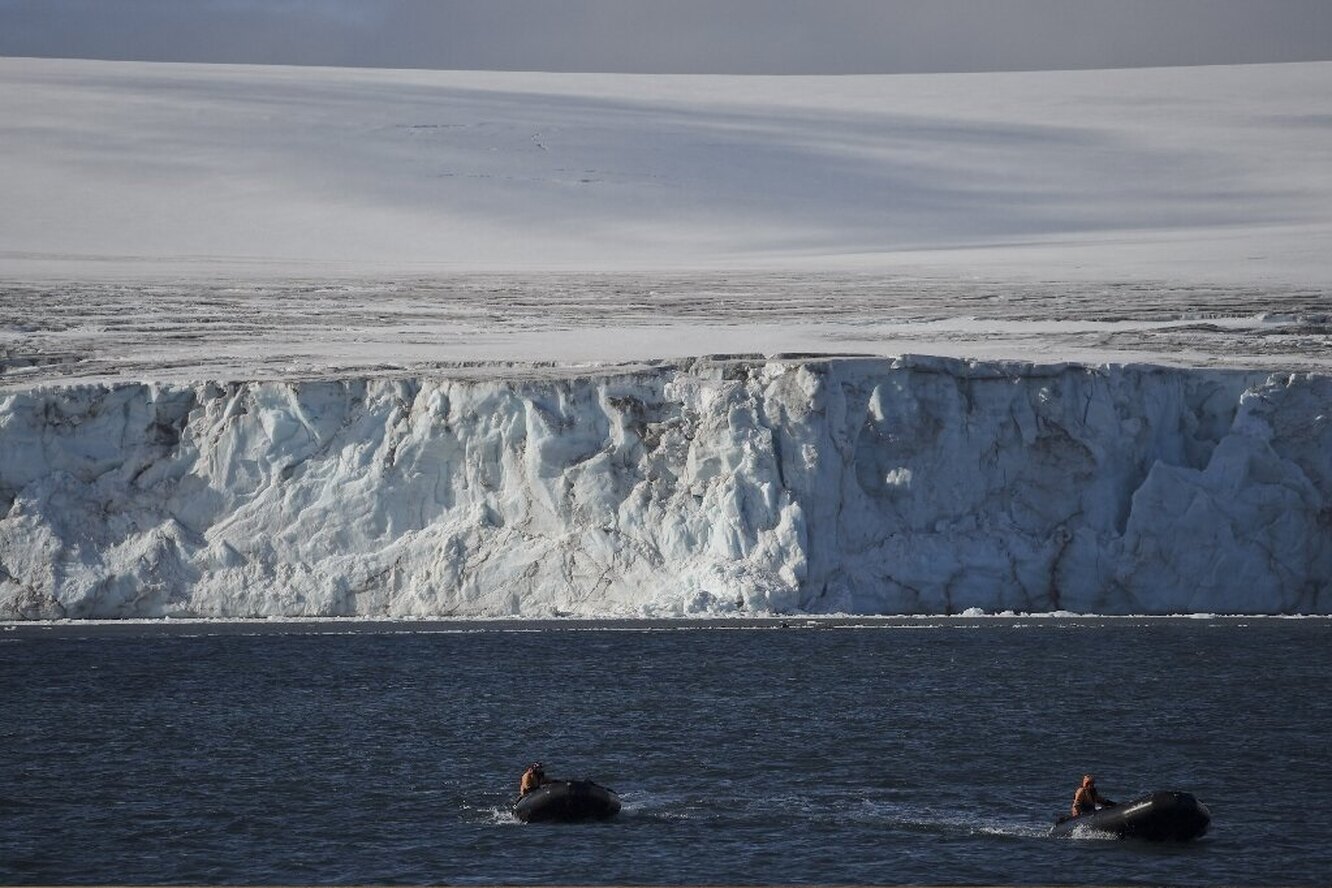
[[1087, 799], [534, 776]]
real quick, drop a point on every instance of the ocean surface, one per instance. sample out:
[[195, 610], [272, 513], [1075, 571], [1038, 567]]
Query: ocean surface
[[890, 752]]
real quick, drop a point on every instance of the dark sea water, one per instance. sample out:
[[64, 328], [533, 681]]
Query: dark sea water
[[911, 752]]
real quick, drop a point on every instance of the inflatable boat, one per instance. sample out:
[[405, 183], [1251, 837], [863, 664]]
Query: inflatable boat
[[567, 801], [1162, 816]]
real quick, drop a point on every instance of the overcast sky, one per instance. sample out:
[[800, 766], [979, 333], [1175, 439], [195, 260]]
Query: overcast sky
[[702, 36]]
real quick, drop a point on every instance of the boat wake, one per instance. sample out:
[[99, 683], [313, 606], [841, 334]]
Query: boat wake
[[947, 822]]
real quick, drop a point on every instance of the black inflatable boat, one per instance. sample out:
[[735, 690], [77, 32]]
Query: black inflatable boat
[[567, 801], [1162, 816]]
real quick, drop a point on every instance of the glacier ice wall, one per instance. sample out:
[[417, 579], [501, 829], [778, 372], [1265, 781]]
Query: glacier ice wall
[[868, 486]]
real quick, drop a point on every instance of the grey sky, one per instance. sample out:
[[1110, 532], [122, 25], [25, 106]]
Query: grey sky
[[703, 36]]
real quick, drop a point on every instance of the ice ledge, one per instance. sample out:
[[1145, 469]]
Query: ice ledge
[[709, 486]]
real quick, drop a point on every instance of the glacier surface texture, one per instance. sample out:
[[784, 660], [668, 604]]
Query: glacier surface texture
[[864, 486]]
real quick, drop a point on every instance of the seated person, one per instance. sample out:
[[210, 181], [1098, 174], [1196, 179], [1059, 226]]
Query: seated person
[[533, 777], [1087, 799]]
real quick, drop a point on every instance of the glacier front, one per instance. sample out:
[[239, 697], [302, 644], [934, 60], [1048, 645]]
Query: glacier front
[[701, 486]]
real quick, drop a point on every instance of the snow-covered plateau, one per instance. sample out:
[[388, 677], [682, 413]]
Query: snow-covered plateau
[[1204, 175], [847, 485], [310, 342]]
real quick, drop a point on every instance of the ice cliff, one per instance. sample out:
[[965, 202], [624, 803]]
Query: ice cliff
[[844, 485]]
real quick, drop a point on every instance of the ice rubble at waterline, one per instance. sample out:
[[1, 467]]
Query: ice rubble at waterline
[[869, 486]]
